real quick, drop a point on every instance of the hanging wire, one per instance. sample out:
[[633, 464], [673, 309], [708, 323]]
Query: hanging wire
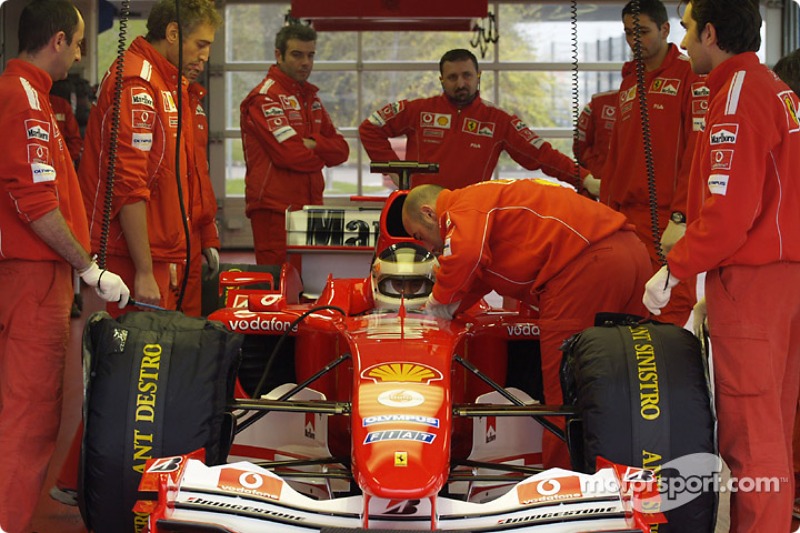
[[113, 138], [573, 8], [482, 37]]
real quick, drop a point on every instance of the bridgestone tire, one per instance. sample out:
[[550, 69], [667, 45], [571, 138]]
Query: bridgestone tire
[[155, 384], [643, 395]]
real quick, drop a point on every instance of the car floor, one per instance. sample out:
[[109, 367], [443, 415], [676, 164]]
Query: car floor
[[54, 517]]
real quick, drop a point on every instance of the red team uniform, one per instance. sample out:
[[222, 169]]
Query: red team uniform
[[744, 231], [548, 247], [465, 141], [677, 99], [36, 177], [595, 124], [145, 168], [281, 172]]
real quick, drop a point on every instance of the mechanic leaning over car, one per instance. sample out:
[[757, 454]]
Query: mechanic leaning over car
[[45, 236], [537, 242], [288, 138], [743, 230], [676, 104], [146, 234], [463, 133]]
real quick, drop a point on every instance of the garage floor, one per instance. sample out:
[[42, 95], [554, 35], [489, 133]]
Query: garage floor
[[53, 517]]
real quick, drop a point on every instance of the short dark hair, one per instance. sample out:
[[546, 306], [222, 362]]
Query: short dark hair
[[788, 69], [459, 54], [654, 9], [41, 19], [297, 31], [193, 14], [737, 22]]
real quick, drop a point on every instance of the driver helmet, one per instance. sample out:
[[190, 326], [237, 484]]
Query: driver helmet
[[403, 271]]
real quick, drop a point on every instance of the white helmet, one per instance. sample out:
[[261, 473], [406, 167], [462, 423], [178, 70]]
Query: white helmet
[[403, 271]]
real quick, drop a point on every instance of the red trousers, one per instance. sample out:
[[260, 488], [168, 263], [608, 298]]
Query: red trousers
[[609, 276], [754, 323], [684, 295], [269, 236], [193, 295], [34, 328]]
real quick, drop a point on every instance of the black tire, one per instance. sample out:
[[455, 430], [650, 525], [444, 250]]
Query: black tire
[[643, 396]]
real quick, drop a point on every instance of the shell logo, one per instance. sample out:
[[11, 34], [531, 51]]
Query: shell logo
[[401, 373]]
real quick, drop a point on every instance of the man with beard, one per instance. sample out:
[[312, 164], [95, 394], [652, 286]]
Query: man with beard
[[463, 133]]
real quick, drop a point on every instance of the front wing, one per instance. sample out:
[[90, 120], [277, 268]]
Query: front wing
[[244, 498]]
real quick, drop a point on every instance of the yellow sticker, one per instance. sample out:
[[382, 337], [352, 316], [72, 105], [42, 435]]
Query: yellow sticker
[[400, 458]]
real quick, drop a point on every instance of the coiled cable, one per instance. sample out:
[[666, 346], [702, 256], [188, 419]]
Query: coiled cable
[[573, 9], [641, 90], [116, 99]]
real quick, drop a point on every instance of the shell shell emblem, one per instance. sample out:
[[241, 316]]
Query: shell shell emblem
[[401, 373]]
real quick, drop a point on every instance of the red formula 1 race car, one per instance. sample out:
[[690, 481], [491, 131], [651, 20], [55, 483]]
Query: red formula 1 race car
[[358, 411]]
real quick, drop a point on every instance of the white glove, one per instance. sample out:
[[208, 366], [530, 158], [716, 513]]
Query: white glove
[[212, 258], [672, 234], [699, 318], [440, 310], [107, 285], [658, 290], [592, 185]]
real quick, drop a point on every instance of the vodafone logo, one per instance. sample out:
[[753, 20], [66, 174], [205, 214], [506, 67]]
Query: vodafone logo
[[253, 483], [550, 490], [401, 398], [721, 159]]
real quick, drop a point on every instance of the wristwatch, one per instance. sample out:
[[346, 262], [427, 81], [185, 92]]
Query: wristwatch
[[678, 217]]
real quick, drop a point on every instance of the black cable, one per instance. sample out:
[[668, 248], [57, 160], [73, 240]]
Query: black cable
[[186, 230], [273, 356], [111, 166], [641, 90], [575, 92]]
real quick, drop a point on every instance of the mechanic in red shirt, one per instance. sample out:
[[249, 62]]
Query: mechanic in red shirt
[[463, 133], [744, 232], [676, 104], [44, 236], [788, 69], [146, 232], [537, 242], [595, 125], [68, 125], [288, 138]]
